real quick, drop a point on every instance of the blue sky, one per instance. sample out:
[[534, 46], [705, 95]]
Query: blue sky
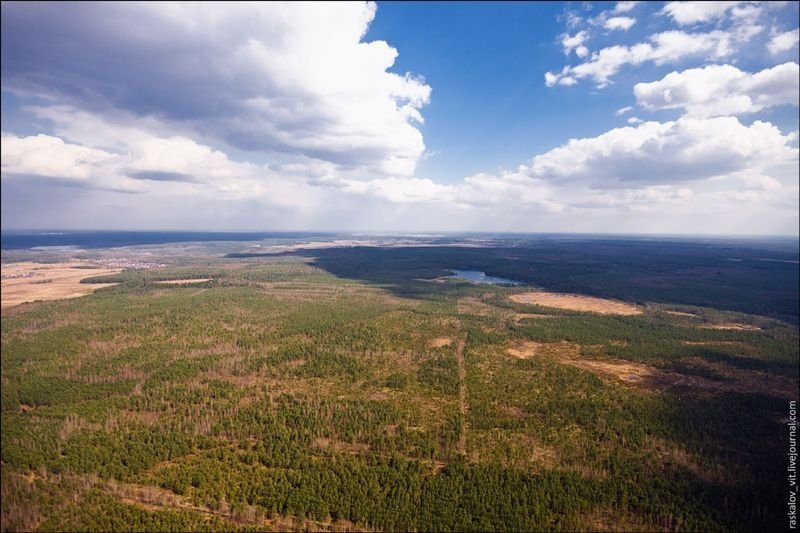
[[617, 117], [489, 107]]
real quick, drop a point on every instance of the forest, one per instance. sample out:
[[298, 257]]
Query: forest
[[341, 389]]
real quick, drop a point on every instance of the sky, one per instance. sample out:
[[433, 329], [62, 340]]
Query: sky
[[577, 117]]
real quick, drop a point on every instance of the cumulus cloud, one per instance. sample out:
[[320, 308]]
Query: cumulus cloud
[[722, 90], [651, 164], [48, 156], [783, 42], [734, 24], [664, 47], [671, 152], [573, 42], [273, 116], [619, 23], [624, 7], [686, 13], [622, 110], [149, 165], [280, 78]]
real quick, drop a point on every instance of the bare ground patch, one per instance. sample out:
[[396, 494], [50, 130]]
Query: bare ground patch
[[28, 282], [528, 349], [576, 302], [440, 341], [629, 372]]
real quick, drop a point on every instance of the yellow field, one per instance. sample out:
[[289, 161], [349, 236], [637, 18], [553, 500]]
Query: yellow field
[[28, 281], [576, 302]]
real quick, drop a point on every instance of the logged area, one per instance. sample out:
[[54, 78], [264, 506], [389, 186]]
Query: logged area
[[27, 281], [336, 390]]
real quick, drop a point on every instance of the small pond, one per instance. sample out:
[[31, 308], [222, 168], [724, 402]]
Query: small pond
[[476, 276]]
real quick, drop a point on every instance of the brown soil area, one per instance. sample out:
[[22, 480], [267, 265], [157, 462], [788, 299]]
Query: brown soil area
[[526, 350], [440, 341], [27, 281], [576, 302]]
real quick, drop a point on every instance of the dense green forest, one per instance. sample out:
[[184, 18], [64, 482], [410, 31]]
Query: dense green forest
[[342, 390]]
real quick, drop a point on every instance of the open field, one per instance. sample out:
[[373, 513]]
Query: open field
[[576, 302], [27, 281], [337, 392]]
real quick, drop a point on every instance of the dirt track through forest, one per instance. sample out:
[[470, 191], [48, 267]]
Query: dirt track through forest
[[462, 396]]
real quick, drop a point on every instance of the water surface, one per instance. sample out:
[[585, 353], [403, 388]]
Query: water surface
[[476, 276]]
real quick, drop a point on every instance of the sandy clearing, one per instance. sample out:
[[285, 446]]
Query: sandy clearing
[[183, 281], [626, 371], [28, 282], [526, 350], [440, 341], [731, 325], [576, 302]]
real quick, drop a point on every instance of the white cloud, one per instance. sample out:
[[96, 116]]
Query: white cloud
[[334, 135], [672, 152], [619, 23], [572, 42], [722, 90], [624, 7], [651, 168], [401, 190], [686, 13], [664, 47], [783, 42], [47, 156], [622, 110], [158, 165], [288, 79]]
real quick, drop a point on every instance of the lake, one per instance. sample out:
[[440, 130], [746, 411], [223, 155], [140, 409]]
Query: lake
[[476, 276]]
